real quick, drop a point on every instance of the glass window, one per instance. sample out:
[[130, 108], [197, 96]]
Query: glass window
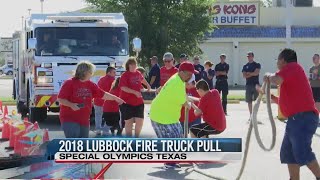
[[82, 41]]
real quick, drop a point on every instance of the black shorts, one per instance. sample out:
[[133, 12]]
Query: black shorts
[[203, 129], [316, 94], [112, 119], [128, 111], [251, 93]]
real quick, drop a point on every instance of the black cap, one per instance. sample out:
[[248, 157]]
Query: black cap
[[154, 58], [183, 56]]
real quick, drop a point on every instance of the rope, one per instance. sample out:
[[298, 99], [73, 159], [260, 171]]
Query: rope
[[254, 121], [253, 125]]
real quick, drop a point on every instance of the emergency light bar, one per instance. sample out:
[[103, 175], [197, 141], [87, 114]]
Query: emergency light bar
[[80, 18]]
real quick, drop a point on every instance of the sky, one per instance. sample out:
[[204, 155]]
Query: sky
[[11, 11]]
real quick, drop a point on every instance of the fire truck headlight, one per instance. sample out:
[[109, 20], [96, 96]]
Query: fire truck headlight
[[47, 65], [44, 80]]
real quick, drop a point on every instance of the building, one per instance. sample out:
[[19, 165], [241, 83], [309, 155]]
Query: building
[[246, 26], [296, 3]]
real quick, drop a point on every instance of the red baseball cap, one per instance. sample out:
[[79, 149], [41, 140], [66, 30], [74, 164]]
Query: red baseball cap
[[187, 66]]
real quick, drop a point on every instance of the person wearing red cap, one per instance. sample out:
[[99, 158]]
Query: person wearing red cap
[[165, 108], [192, 118]]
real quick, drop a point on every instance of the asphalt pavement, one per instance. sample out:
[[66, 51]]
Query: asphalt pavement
[[261, 165]]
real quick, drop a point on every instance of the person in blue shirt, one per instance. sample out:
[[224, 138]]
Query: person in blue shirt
[[198, 67], [183, 58], [154, 73], [222, 70], [208, 73], [251, 72]]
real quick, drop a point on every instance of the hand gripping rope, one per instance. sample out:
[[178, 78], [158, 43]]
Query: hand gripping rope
[[253, 125]]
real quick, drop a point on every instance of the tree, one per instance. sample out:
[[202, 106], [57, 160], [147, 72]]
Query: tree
[[266, 3], [177, 26], [2, 59]]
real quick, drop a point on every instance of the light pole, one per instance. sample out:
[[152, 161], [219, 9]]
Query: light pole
[[22, 19], [289, 5], [29, 10], [41, 1]]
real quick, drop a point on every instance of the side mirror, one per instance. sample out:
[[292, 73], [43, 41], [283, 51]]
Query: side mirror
[[136, 44], [32, 43]]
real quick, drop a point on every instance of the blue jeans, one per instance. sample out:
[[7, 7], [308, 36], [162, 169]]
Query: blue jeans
[[100, 126], [296, 144], [75, 130]]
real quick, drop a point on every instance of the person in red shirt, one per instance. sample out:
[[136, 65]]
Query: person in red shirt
[[111, 112], [133, 110], [192, 118], [168, 69], [210, 107], [75, 98], [104, 84], [296, 102]]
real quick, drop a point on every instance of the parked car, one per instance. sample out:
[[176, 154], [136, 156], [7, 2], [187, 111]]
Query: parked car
[[6, 69]]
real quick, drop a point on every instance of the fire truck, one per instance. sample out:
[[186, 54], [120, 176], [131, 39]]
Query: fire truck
[[47, 50]]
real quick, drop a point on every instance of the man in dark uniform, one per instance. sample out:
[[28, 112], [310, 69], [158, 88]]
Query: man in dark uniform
[[222, 70], [198, 67], [183, 58], [154, 73], [251, 72]]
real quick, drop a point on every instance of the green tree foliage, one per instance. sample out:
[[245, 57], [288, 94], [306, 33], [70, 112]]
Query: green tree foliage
[[266, 3], [177, 26], [2, 60]]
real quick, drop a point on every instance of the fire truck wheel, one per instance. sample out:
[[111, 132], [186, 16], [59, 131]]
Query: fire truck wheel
[[37, 114]]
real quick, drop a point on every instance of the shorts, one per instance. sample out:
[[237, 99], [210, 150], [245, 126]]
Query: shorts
[[203, 129], [251, 93], [129, 111], [296, 144], [112, 119], [195, 122], [167, 130], [75, 130], [316, 94]]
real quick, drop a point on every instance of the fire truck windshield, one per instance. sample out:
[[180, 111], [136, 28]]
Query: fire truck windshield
[[81, 41]]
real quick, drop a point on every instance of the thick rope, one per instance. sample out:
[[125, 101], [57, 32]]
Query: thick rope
[[253, 125], [254, 121]]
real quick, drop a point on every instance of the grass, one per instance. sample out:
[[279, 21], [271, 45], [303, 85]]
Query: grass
[[6, 77], [236, 97], [8, 101]]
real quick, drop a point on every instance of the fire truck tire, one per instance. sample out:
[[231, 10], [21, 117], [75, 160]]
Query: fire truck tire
[[14, 94], [37, 114]]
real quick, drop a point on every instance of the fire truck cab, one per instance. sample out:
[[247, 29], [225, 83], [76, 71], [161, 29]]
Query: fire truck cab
[[47, 50]]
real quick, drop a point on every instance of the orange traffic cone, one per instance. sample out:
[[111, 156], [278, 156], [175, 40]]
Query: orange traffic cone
[[5, 131], [1, 108], [13, 130], [18, 146], [5, 111], [45, 137]]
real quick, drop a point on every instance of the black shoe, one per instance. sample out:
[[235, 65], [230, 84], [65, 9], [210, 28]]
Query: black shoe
[[171, 165]]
